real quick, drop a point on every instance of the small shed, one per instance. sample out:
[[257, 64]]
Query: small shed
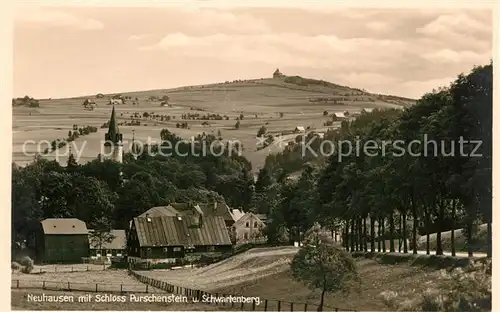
[[62, 240]]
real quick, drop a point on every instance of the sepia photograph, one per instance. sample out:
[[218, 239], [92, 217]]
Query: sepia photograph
[[193, 156]]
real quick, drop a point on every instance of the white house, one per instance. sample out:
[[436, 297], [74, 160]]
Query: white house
[[340, 114]]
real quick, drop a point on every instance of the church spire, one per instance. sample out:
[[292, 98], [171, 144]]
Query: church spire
[[113, 134]]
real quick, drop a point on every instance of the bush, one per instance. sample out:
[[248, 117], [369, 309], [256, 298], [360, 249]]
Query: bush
[[27, 262], [15, 266], [27, 269]]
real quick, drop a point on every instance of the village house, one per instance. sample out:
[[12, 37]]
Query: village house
[[299, 129], [339, 115], [115, 102], [164, 234], [62, 240], [103, 247], [249, 229]]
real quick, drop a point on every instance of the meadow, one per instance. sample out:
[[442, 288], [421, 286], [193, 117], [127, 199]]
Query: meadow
[[265, 273], [278, 105]]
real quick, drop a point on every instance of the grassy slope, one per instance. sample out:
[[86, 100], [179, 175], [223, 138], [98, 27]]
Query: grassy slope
[[265, 273], [265, 98], [480, 244]]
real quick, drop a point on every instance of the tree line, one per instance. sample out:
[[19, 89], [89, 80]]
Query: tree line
[[366, 199], [109, 194], [376, 197]]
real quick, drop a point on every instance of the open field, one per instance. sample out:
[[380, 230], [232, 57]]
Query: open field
[[108, 280], [260, 101], [265, 273]]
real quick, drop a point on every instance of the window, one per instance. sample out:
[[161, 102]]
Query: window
[[255, 224], [177, 248], [211, 248], [165, 249], [247, 224], [245, 235]]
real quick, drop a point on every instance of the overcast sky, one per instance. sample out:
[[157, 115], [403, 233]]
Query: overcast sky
[[62, 52]]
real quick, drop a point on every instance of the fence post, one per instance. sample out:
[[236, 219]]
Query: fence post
[[279, 305], [242, 304], [96, 287], [17, 283], [43, 285], [40, 270], [265, 305], [253, 305], [87, 267], [291, 306], [305, 307], [216, 296], [69, 288], [71, 269], [147, 286], [121, 288]]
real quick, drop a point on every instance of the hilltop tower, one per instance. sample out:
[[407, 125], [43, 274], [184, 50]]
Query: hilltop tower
[[113, 145]]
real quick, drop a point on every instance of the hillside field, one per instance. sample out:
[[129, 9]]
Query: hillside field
[[266, 273], [260, 101]]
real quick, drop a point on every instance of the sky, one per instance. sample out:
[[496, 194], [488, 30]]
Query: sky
[[74, 51]]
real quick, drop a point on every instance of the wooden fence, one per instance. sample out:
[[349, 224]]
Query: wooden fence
[[68, 269], [78, 286], [204, 296]]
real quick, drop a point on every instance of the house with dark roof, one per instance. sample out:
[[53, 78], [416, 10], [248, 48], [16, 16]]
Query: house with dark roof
[[61, 240], [164, 234], [116, 245]]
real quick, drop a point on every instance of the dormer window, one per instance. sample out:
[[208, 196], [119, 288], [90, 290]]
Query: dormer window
[[247, 224]]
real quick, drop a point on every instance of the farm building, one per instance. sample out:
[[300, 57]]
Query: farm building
[[299, 129], [249, 229], [62, 241], [161, 237], [219, 209], [107, 246]]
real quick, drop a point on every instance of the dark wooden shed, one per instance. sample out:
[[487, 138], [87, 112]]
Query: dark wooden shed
[[62, 240]]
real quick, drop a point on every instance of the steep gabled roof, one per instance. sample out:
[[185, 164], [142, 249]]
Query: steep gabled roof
[[64, 226], [165, 231], [168, 211]]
